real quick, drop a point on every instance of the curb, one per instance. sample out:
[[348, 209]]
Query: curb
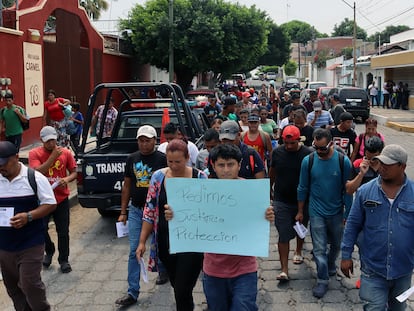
[[399, 127]]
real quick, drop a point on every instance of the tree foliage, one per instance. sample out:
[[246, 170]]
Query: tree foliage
[[209, 35], [7, 3], [385, 35], [278, 47], [301, 32], [290, 68], [94, 7], [346, 28]]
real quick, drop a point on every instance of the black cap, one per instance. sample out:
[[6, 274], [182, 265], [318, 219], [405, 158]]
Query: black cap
[[7, 149], [345, 116], [229, 100], [295, 96]]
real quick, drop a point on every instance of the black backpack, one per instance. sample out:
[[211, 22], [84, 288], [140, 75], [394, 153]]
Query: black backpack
[[25, 125]]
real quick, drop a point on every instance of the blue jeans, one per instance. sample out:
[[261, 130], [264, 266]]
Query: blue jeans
[[323, 228], [377, 293], [134, 269], [231, 294]]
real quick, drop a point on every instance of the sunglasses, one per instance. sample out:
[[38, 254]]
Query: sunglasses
[[324, 148]]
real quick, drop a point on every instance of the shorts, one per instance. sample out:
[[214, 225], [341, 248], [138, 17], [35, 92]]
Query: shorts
[[285, 220]]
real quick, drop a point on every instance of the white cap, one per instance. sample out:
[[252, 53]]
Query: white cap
[[47, 133], [147, 131]]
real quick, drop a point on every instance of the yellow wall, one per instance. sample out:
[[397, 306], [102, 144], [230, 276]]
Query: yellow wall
[[404, 58]]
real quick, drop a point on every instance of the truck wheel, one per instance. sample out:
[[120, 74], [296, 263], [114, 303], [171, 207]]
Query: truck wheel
[[106, 213]]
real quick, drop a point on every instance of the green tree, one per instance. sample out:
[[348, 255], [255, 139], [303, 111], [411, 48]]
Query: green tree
[[278, 47], [301, 32], [290, 68], [385, 35], [94, 7], [346, 28], [7, 3], [209, 35]]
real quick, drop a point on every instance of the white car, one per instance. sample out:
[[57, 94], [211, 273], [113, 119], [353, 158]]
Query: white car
[[271, 75]]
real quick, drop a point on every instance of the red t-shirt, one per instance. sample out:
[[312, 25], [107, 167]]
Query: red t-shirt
[[55, 110], [257, 144], [65, 162], [228, 266]]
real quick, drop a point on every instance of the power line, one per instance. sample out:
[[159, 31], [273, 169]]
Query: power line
[[392, 17]]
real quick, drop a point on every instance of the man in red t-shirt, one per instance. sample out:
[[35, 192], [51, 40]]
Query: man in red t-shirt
[[59, 166]]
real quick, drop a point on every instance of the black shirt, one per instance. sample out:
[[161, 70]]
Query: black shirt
[[140, 168], [344, 140], [287, 168]]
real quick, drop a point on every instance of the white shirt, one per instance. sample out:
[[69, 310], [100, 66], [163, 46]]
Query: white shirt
[[192, 151], [20, 187]]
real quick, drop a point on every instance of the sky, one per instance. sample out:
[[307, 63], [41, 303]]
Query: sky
[[371, 15]]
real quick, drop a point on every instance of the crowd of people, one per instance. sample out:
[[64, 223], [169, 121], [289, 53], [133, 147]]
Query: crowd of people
[[348, 189]]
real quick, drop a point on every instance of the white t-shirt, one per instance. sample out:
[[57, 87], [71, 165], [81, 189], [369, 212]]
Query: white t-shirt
[[192, 151], [20, 187]]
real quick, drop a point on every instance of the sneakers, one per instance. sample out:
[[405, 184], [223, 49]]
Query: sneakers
[[65, 267], [162, 278], [320, 290], [47, 260], [126, 301]]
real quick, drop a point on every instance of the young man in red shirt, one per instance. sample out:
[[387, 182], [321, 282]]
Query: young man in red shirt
[[59, 166]]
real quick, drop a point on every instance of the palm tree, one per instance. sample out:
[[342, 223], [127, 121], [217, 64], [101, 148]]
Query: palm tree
[[94, 7]]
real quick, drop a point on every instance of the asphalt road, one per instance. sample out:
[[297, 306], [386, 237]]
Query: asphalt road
[[99, 262]]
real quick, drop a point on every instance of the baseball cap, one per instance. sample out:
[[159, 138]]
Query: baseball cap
[[286, 93], [7, 149], [345, 116], [253, 118], [48, 133], [291, 132], [147, 131], [295, 96], [246, 94], [392, 154], [229, 130], [317, 105], [335, 96], [229, 100]]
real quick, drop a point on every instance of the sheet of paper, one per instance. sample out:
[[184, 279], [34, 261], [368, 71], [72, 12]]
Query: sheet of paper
[[404, 296], [55, 184], [300, 229], [5, 214], [121, 229], [144, 272]]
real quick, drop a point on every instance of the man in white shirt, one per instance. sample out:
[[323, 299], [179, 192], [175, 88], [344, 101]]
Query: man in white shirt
[[171, 132]]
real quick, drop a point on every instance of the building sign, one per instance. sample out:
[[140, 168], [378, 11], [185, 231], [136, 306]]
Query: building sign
[[33, 79]]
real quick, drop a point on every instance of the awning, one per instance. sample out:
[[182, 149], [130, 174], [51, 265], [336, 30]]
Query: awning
[[333, 66]]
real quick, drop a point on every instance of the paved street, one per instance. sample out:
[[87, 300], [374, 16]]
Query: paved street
[[99, 262]]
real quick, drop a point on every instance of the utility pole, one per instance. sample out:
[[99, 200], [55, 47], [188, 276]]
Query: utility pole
[[171, 41], [354, 75]]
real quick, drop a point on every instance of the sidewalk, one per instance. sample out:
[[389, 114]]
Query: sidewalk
[[400, 120]]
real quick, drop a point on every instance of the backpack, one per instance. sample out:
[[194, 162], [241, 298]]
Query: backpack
[[32, 180], [346, 198], [25, 125]]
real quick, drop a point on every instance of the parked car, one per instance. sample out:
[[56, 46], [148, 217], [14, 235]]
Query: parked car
[[323, 95], [271, 75], [291, 83], [314, 85], [356, 101], [199, 97]]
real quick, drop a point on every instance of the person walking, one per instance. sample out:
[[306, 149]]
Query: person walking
[[108, 123], [381, 210], [59, 166], [138, 171], [284, 176], [183, 268], [12, 118], [54, 113], [22, 238], [323, 176], [373, 93]]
